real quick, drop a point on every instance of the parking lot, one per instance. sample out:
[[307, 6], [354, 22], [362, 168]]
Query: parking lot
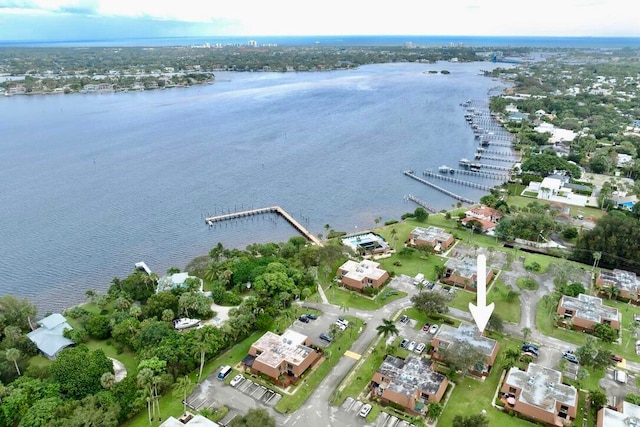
[[258, 392], [314, 328], [616, 391], [407, 331], [352, 408]]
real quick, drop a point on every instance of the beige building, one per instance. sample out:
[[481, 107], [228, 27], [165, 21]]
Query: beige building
[[360, 274], [585, 312], [283, 358], [410, 383], [538, 393], [435, 237], [448, 336], [627, 416]]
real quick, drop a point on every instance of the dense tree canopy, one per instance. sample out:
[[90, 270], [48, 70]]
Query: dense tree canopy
[[78, 371]]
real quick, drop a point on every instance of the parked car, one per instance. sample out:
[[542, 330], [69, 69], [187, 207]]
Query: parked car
[[620, 376], [638, 347], [404, 343], [426, 327], [616, 358], [345, 322], [311, 316], [411, 346], [404, 318], [531, 349], [420, 348], [236, 380], [326, 337], [570, 357], [304, 318], [366, 408], [433, 329], [341, 326], [531, 345]]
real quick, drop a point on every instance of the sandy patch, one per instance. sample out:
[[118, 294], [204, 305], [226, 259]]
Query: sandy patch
[[222, 314]]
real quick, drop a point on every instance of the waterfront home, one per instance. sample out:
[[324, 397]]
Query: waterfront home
[[487, 217], [626, 283], [539, 394], [463, 272], [282, 358], [360, 274], [448, 336], [49, 337], [584, 312], [432, 236], [410, 383], [366, 243], [176, 280], [556, 189]]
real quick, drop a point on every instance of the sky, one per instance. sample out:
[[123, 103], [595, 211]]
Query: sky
[[57, 20]]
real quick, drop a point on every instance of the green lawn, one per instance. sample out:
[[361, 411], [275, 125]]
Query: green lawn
[[310, 381], [413, 264], [352, 299], [497, 293], [171, 405], [127, 358]]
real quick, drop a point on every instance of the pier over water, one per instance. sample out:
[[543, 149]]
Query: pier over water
[[271, 209]]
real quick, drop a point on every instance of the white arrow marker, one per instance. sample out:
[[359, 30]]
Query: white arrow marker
[[482, 312]]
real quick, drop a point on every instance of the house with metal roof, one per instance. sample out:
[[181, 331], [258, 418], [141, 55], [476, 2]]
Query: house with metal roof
[[49, 337], [448, 336], [584, 312]]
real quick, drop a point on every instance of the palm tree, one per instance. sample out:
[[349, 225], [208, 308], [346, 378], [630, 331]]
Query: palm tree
[[420, 285], [183, 385], [434, 411], [203, 337], [388, 327], [107, 380], [596, 259], [12, 355], [526, 333], [144, 378]]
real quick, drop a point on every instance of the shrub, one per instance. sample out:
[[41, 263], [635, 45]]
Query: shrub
[[391, 222]]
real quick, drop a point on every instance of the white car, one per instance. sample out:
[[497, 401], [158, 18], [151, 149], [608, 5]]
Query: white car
[[411, 346], [341, 326], [433, 329], [366, 408], [420, 348], [236, 380]]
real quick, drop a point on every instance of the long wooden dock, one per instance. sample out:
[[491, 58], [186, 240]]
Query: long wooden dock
[[421, 203], [411, 174], [271, 209], [484, 174], [479, 186]]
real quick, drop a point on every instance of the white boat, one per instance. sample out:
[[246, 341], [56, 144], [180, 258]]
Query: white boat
[[185, 323]]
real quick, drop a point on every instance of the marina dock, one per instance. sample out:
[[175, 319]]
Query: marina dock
[[411, 174], [484, 174], [421, 203], [431, 174], [271, 209]]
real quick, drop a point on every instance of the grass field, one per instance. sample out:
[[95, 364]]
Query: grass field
[[351, 299], [509, 311]]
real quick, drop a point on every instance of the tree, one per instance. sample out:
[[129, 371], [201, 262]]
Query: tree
[[78, 371], [463, 357], [439, 270], [16, 311], [183, 386], [421, 214], [388, 327], [434, 410], [495, 323], [573, 289], [207, 338], [254, 418], [107, 380], [431, 302], [605, 332], [598, 399], [12, 355], [526, 333], [478, 420]]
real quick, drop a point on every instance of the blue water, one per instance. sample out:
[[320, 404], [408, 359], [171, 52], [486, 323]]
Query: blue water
[[92, 183], [503, 41]]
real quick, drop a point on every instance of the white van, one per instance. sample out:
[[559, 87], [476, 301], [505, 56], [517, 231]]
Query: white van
[[224, 372], [620, 376]]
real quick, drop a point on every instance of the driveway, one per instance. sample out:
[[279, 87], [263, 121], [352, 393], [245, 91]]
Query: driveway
[[616, 391]]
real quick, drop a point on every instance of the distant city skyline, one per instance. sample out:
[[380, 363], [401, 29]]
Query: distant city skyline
[[88, 19]]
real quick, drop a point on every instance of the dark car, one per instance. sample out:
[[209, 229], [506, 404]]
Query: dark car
[[326, 337], [404, 318], [304, 318], [404, 343], [570, 357], [530, 345], [311, 316], [531, 349], [426, 327]]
